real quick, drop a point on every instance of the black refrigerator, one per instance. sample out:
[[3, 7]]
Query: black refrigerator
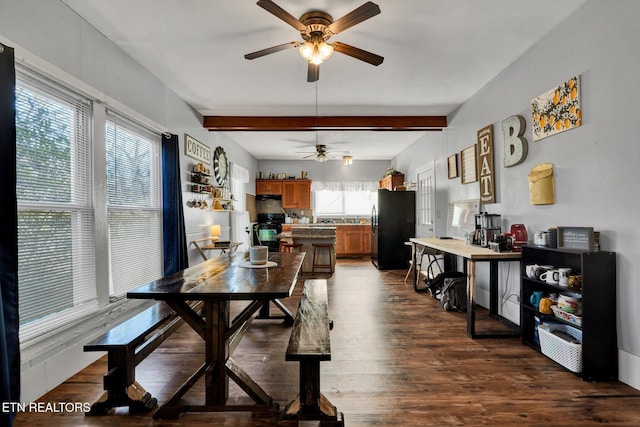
[[393, 222]]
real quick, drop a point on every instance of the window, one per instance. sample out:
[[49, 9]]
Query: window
[[58, 201], [55, 205], [133, 205], [344, 199]]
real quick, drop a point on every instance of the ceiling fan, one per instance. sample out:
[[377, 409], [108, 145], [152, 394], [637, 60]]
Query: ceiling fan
[[322, 153], [316, 27]]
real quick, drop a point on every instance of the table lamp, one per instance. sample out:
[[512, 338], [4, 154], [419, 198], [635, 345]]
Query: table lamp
[[215, 232]]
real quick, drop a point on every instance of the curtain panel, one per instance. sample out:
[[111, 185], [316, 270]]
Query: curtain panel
[[173, 229], [9, 343]]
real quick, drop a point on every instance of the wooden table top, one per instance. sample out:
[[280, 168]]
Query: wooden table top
[[223, 278], [460, 248]]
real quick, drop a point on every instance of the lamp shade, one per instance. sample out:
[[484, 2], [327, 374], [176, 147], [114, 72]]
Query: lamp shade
[[216, 231]]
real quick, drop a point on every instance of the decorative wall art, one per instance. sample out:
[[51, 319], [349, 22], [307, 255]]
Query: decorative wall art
[[468, 164], [542, 185], [516, 147], [557, 110], [485, 165], [452, 166], [196, 149]]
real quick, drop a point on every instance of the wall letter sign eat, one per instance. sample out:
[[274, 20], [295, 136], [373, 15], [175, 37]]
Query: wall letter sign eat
[[515, 146], [485, 163]]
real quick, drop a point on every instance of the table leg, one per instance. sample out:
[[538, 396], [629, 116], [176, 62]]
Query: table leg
[[471, 298], [216, 352]]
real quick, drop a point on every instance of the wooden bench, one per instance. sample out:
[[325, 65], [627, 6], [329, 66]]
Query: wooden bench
[[128, 344], [310, 344]]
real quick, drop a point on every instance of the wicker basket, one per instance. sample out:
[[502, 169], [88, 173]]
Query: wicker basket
[[566, 353]]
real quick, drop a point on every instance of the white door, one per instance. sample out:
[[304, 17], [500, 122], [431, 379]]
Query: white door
[[426, 200]]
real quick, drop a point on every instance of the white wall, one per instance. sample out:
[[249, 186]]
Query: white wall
[[596, 165]]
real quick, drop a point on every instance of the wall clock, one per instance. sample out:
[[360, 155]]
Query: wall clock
[[220, 165]]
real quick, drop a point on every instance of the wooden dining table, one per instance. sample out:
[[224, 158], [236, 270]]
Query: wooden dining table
[[216, 283]]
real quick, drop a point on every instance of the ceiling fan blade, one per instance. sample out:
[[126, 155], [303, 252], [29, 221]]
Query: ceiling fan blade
[[356, 16], [313, 72], [310, 155], [360, 54], [272, 49], [273, 8]]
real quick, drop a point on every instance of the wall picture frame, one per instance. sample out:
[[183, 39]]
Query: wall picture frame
[[469, 165], [452, 166]]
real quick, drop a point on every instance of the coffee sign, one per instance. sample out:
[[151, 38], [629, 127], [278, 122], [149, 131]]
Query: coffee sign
[[196, 149], [485, 165]]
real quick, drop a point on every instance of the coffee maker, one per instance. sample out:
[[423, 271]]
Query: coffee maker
[[487, 228]]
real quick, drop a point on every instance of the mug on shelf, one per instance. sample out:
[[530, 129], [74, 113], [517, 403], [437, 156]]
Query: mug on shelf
[[531, 270], [563, 279], [535, 298], [550, 276], [575, 281], [545, 305]]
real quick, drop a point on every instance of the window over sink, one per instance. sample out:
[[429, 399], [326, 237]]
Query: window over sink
[[345, 198]]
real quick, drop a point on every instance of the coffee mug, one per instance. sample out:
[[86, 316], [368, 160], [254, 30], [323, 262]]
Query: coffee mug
[[563, 279], [575, 281], [541, 269], [258, 254], [535, 298], [531, 270], [545, 305], [550, 276]]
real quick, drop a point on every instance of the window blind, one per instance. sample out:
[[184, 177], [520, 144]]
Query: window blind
[[133, 204], [55, 207]]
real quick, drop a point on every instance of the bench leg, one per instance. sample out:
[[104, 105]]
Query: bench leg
[[135, 397], [287, 316], [310, 403], [121, 388]]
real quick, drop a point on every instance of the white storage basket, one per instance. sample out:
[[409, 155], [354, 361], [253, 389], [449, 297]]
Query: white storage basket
[[566, 353]]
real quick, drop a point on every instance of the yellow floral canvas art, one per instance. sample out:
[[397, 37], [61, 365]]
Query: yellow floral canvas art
[[557, 110]]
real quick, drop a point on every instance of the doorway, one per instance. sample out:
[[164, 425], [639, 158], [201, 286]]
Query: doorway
[[426, 200]]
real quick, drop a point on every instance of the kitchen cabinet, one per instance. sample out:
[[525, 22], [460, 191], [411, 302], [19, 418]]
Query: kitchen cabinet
[[392, 181], [268, 187], [296, 194], [353, 240], [597, 324]]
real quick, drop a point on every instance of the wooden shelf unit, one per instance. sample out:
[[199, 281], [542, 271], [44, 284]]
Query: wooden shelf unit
[[599, 339]]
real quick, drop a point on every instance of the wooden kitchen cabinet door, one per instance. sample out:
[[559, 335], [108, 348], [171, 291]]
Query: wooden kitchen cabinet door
[[268, 186], [296, 194], [350, 240]]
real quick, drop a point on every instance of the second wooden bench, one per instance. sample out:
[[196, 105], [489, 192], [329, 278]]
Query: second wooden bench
[[310, 344]]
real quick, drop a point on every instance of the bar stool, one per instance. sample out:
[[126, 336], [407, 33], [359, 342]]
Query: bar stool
[[320, 247], [289, 247]]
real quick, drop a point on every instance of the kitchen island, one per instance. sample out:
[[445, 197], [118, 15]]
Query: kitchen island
[[352, 239], [307, 235]]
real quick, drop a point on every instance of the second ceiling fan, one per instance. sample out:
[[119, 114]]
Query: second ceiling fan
[[316, 27]]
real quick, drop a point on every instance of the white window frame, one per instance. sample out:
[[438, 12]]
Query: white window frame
[[95, 175]]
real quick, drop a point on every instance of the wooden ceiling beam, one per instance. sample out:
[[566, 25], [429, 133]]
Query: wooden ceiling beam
[[302, 123]]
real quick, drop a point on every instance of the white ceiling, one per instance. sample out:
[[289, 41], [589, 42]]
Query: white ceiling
[[438, 53]]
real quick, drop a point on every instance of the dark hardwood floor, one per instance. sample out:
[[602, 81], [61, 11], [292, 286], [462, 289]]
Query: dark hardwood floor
[[397, 360]]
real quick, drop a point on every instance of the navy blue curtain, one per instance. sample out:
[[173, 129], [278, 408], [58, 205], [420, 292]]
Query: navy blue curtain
[[9, 344], [173, 231]]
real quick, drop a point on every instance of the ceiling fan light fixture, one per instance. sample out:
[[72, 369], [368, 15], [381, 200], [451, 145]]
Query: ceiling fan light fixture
[[321, 158], [315, 52]]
